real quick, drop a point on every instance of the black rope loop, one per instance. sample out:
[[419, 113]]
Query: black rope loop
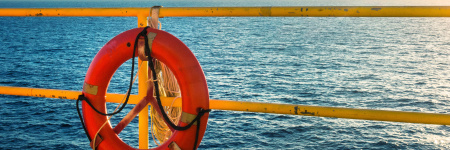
[[83, 98], [81, 118]]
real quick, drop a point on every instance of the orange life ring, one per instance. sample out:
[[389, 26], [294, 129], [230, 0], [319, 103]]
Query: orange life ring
[[174, 54]]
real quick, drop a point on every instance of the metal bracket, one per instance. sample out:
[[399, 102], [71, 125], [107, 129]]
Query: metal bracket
[[154, 16]]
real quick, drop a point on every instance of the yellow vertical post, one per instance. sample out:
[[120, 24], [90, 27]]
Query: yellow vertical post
[[143, 115]]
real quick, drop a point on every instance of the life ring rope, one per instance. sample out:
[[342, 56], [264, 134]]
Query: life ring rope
[[201, 111]]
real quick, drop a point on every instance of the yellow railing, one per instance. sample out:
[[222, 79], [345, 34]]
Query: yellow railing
[[299, 11], [290, 109]]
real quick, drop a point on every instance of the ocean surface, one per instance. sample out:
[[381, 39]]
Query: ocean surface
[[373, 63]]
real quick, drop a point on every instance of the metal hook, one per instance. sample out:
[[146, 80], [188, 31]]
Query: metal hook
[[154, 16]]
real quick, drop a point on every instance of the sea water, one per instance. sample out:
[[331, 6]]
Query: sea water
[[372, 63]]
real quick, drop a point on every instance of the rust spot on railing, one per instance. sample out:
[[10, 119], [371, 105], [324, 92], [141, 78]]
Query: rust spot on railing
[[376, 9], [307, 113], [296, 110]]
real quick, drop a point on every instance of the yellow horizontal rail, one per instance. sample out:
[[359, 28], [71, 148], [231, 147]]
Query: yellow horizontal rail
[[296, 11], [290, 109]]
